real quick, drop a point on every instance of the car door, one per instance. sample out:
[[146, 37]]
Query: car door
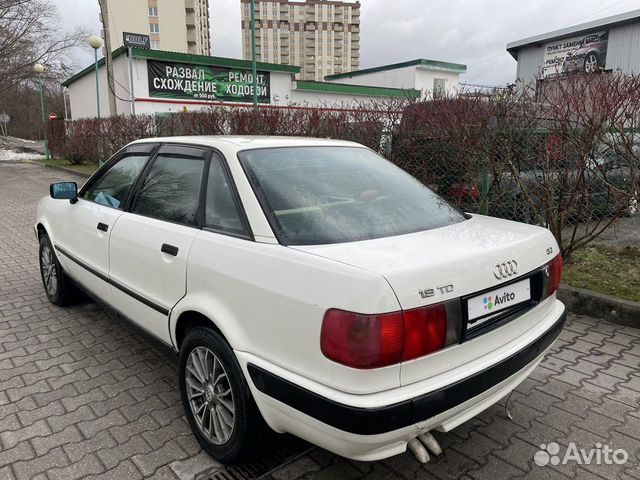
[[82, 241], [150, 243]]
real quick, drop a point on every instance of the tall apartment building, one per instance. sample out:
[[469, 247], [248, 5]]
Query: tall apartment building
[[322, 37], [174, 25]]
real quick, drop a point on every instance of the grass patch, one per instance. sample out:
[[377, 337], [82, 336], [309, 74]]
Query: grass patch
[[614, 271], [87, 168]]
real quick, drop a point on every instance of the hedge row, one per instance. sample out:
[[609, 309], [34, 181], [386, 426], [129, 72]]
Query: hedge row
[[87, 140]]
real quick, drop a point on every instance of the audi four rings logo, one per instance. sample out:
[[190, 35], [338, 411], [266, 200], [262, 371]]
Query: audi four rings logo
[[505, 269]]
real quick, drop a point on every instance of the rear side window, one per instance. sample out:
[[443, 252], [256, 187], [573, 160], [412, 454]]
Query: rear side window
[[113, 187], [222, 212], [171, 189]]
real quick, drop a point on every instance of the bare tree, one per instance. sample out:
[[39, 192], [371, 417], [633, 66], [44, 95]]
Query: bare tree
[[30, 33]]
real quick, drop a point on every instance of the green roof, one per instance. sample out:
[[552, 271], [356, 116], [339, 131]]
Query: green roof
[[420, 63], [356, 89], [186, 58]]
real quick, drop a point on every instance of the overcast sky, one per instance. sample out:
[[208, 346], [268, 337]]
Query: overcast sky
[[472, 32]]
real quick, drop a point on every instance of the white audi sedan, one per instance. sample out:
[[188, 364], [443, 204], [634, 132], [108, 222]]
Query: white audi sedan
[[309, 284]]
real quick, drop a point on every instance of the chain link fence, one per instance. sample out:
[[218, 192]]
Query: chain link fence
[[594, 199]]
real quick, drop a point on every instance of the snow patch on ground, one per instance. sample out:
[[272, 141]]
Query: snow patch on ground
[[9, 155]]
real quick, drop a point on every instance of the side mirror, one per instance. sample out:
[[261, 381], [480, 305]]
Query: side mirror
[[64, 191]]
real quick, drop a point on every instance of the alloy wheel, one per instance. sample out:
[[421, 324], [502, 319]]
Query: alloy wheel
[[210, 395], [49, 270]]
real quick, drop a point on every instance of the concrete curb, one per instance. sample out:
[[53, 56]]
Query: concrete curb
[[57, 167], [600, 305]]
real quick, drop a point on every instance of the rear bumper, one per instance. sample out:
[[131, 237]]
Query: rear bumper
[[380, 420]]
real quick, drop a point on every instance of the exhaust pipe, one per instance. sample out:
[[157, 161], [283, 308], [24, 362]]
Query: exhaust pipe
[[417, 447], [418, 450], [431, 443]]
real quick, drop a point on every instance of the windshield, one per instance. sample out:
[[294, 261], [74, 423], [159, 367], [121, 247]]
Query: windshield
[[321, 195]]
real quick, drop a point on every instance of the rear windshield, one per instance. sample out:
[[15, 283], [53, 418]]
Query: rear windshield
[[321, 195]]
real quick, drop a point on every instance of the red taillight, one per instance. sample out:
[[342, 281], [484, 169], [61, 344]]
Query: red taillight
[[425, 331], [362, 341], [555, 274], [372, 341]]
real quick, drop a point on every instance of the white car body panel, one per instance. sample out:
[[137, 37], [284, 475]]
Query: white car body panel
[[136, 258], [81, 238], [269, 300]]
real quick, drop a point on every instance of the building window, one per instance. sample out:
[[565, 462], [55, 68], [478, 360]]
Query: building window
[[155, 44], [154, 28], [153, 11]]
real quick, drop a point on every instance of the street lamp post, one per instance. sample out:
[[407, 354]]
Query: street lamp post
[[39, 69], [96, 43]]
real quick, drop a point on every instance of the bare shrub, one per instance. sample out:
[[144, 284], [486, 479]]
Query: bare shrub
[[534, 156]]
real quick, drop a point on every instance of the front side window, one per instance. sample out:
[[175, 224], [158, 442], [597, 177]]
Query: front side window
[[222, 211], [171, 189], [321, 195], [113, 187]]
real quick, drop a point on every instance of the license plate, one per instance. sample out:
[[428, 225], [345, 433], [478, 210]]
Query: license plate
[[498, 299]]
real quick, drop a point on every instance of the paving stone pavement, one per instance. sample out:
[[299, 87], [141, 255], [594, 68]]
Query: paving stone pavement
[[85, 395]]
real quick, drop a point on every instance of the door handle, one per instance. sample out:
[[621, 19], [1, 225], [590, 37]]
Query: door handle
[[103, 226], [169, 249]]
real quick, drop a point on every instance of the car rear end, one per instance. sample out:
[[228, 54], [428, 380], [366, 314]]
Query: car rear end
[[456, 353], [476, 311]]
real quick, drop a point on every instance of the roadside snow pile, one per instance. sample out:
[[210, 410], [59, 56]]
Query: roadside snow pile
[[9, 155], [13, 149]]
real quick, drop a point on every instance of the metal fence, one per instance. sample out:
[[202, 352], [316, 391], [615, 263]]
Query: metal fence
[[535, 180]]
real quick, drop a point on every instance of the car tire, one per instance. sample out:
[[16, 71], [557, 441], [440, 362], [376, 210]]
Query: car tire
[[230, 421], [57, 285]]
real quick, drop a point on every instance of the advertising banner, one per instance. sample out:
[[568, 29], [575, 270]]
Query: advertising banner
[[586, 53], [204, 82]]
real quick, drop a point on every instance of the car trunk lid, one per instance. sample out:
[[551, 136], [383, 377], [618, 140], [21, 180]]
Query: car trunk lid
[[449, 262]]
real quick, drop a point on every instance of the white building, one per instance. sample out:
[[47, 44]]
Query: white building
[[173, 25], [172, 82], [431, 77]]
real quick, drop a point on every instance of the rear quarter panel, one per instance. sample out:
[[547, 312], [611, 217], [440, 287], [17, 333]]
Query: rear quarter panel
[[269, 300]]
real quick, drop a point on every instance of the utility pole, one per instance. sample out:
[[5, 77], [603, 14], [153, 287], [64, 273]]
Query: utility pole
[[253, 54], [104, 14]]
